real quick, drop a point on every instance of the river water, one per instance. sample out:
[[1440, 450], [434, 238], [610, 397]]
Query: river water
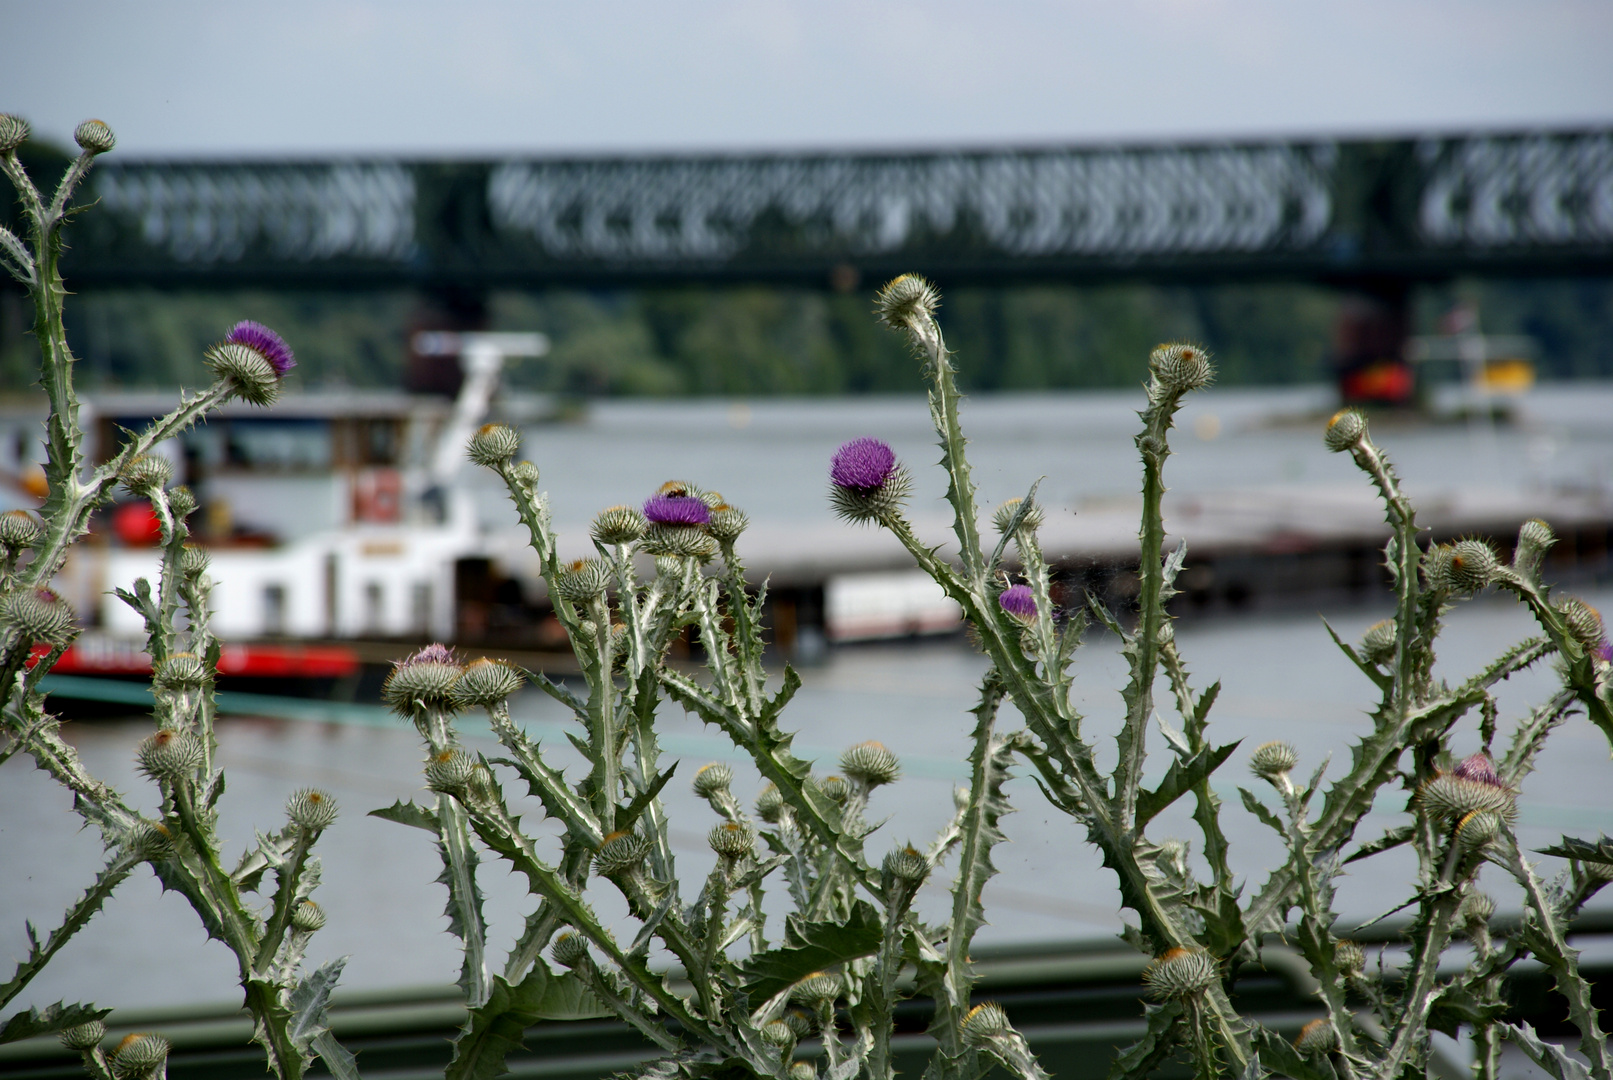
[[1281, 678]]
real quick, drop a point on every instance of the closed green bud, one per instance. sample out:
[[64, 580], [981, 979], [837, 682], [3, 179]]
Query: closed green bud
[[1535, 538], [727, 523], [311, 810], [799, 1022], [83, 1037], [1273, 759], [19, 530], [906, 301], [13, 132], [777, 1034], [770, 804], [1345, 431], [583, 580], [1452, 798], [906, 864], [1477, 829], [711, 779], [181, 671], [983, 1023], [485, 683], [37, 614], [1583, 621], [1349, 958], [835, 789], [817, 989], [138, 1055], [1004, 517], [1379, 643], [1475, 912], [149, 840], [193, 562], [307, 917], [1316, 1037], [450, 772], [619, 525], [1180, 973], [620, 853], [93, 136], [426, 678], [803, 1070], [1180, 368], [169, 755], [147, 474], [182, 502], [570, 949], [1472, 565], [731, 840], [493, 445], [526, 474], [870, 763]]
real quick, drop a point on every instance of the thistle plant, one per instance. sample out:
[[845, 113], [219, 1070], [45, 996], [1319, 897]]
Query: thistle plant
[[788, 958], [182, 846]]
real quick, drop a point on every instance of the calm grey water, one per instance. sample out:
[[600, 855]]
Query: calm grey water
[[1281, 678]]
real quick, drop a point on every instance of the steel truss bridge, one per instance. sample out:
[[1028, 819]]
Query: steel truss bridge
[[1326, 210]]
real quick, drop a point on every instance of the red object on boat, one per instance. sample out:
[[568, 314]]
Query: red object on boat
[[137, 524], [112, 656]]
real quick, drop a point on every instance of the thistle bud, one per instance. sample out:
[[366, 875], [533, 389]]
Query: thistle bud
[[866, 483], [1379, 643], [770, 804], [680, 541], [1316, 1037], [83, 1037], [1349, 958], [37, 614], [307, 917], [1345, 431], [906, 864], [1472, 786], [778, 1035], [727, 523], [1180, 973], [450, 772], [906, 301], [799, 1022], [183, 671], [1534, 539], [583, 580], [311, 810], [1477, 829], [138, 1055], [94, 137], [1273, 759], [1472, 565], [816, 990], [1436, 567], [803, 1070], [619, 525], [570, 949], [870, 764], [1019, 602], [1180, 368], [425, 678], [149, 840], [193, 562], [19, 530], [169, 755], [1004, 517], [1476, 912], [835, 789], [147, 474], [493, 445], [983, 1023], [711, 779], [13, 132], [485, 683], [620, 853], [731, 840], [181, 502], [526, 474], [1583, 621]]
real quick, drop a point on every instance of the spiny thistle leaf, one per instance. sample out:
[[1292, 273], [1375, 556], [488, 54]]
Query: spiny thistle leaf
[[48, 1021], [814, 946]]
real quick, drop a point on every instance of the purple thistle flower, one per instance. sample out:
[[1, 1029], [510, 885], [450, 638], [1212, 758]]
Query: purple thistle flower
[[1478, 768], [674, 509], [1018, 602], [863, 464], [266, 343], [431, 654]]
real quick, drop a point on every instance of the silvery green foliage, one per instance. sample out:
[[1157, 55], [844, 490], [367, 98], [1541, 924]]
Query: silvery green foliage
[[267, 928]]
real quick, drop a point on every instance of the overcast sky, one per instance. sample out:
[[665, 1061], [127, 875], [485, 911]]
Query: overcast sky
[[361, 76]]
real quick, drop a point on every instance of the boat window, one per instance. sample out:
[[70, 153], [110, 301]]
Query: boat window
[[279, 445], [274, 610]]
